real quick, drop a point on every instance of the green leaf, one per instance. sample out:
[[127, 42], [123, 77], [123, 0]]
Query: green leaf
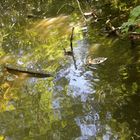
[[133, 19], [135, 12]]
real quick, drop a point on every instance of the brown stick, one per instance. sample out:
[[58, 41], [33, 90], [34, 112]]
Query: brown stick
[[30, 73], [71, 39]]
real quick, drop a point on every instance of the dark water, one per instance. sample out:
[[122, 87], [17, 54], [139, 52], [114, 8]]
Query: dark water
[[78, 103]]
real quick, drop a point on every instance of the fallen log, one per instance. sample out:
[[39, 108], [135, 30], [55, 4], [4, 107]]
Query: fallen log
[[29, 72]]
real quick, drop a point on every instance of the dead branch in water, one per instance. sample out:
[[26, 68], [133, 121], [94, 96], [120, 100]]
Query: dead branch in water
[[71, 44], [71, 39], [31, 73], [70, 53]]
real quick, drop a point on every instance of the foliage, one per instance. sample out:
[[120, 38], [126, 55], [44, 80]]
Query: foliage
[[134, 19]]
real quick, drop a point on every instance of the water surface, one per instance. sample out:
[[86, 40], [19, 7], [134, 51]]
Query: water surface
[[78, 103]]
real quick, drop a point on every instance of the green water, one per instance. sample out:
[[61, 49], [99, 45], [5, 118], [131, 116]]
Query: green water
[[78, 103]]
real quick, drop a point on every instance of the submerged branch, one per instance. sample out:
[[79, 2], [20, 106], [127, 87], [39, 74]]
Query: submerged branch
[[31, 73]]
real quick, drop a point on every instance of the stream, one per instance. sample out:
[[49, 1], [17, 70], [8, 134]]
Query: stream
[[100, 102]]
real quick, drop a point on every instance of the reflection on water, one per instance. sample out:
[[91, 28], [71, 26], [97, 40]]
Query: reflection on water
[[78, 103], [79, 88]]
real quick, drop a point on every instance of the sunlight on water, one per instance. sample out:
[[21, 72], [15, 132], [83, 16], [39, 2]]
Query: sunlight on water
[[100, 102], [52, 28], [79, 88]]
